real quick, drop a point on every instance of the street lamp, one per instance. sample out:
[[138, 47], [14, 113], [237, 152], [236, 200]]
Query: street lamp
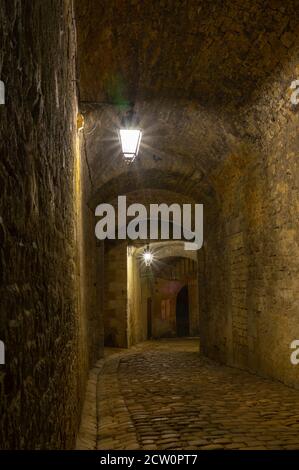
[[130, 136], [130, 142]]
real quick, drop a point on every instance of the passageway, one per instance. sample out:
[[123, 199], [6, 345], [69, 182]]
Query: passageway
[[161, 395], [211, 90]]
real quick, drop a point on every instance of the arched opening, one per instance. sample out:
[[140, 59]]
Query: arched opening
[[182, 312], [149, 308]]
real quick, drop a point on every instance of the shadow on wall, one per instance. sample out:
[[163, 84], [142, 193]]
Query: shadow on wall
[[164, 307], [182, 312]]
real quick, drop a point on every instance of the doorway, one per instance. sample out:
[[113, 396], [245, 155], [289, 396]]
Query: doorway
[[182, 312]]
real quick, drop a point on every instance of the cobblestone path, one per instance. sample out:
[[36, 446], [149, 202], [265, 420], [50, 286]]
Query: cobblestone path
[[162, 395]]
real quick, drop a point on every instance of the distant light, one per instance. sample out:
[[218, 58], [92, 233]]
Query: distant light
[[130, 141], [148, 257]]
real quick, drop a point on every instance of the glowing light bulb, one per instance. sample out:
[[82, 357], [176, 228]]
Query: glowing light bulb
[[130, 141], [148, 257]]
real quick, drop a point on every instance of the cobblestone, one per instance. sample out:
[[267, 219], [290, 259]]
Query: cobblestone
[[163, 395]]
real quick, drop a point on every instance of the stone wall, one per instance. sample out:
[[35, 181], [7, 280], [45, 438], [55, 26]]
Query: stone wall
[[137, 314], [193, 307], [91, 253], [47, 338], [164, 307], [116, 296], [250, 294], [186, 269]]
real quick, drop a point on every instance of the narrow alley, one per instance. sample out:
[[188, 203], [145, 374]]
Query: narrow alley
[[149, 237]]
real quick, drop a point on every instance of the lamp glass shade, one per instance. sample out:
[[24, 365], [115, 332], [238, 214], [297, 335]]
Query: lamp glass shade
[[130, 142]]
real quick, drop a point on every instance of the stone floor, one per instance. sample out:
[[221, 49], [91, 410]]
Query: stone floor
[[162, 395]]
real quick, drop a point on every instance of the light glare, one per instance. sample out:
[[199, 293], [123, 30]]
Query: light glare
[[148, 257]]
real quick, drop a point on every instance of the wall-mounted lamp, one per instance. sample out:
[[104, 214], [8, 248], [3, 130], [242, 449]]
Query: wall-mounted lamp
[[130, 142], [130, 137]]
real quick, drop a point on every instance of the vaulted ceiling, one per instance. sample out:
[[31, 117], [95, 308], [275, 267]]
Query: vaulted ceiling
[[192, 69], [213, 51]]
